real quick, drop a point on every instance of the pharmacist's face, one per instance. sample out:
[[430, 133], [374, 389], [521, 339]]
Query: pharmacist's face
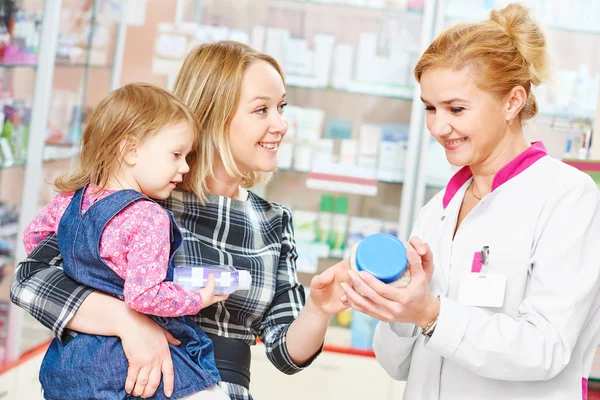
[[467, 121], [258, 125]]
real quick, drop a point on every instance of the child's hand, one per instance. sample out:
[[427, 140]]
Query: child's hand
[[208, 293]]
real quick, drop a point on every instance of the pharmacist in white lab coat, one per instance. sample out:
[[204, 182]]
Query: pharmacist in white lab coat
[[504, 299]]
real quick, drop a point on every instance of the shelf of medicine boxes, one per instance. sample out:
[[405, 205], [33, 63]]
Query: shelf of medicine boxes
[[387, 10], [432, 183], [22, 164], [569, 115], [463, 15], [59, 64], [368, 88], [52, 152], [452, 19], [383, 90]]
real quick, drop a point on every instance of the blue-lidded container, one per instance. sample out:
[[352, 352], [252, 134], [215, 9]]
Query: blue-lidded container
[[383, 256]]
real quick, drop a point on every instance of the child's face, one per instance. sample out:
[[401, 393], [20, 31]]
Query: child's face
[[258, 125], [160, 160]]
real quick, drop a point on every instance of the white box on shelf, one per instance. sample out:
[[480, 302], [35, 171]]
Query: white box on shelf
[[239, 35], [285, 155], [348, 151], [398, 4], [399, 64], [171, 43], [302, 160], [292, 114], [392, 152], [323, 54], [566, 80], [302, 81], [136, 12], [323, 153], [367, 51], [368, 145], [257, 39], [276, 42], [209, 34], [310, 124], [297, 59], [307, 261], [342, 65], [305, 225], [377, 3], [379, 70], [378, 89]]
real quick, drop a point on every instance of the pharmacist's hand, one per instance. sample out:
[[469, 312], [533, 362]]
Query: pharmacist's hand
[[146, 346], [411, 304], [208, 293], [326, 290], [424, 251]]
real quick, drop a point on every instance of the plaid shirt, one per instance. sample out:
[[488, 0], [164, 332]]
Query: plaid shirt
[[255, 235]]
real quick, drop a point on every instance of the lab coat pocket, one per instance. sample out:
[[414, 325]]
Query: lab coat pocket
[[517, 274]]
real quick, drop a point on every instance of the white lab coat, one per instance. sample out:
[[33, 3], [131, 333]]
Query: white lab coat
[[542, 224]]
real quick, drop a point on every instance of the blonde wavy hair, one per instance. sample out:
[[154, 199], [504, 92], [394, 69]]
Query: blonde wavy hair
[[507, 50], [209, 83], [128, 115]]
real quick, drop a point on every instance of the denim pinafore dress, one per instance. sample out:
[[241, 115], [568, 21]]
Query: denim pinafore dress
[[95, 367]]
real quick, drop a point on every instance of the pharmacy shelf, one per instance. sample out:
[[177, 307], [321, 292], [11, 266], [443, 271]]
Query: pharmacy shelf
[[58, 65], [369, 89], [23, 164], [18, 164], [10, 229], [452, 18], [567, 29], [284, 170], [432, 183], [396, 11], [567, 115]]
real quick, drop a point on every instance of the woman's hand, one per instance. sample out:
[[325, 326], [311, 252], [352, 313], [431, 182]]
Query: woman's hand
[[326, 290], [424, 251], [306, 334], [412, 304], [146, 346]]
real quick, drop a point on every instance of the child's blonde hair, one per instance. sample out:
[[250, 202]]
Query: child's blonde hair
[[209, 83], [128, 115]]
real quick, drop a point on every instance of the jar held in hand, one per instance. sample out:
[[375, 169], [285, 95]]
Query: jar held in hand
[[383, 256]]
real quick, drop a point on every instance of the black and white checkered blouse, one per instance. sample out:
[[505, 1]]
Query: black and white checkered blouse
[[255, 235]]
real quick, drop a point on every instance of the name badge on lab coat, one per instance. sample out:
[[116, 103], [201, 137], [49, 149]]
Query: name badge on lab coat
[[482, 290]]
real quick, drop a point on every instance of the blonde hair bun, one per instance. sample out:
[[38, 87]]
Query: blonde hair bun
[[528, 37]]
